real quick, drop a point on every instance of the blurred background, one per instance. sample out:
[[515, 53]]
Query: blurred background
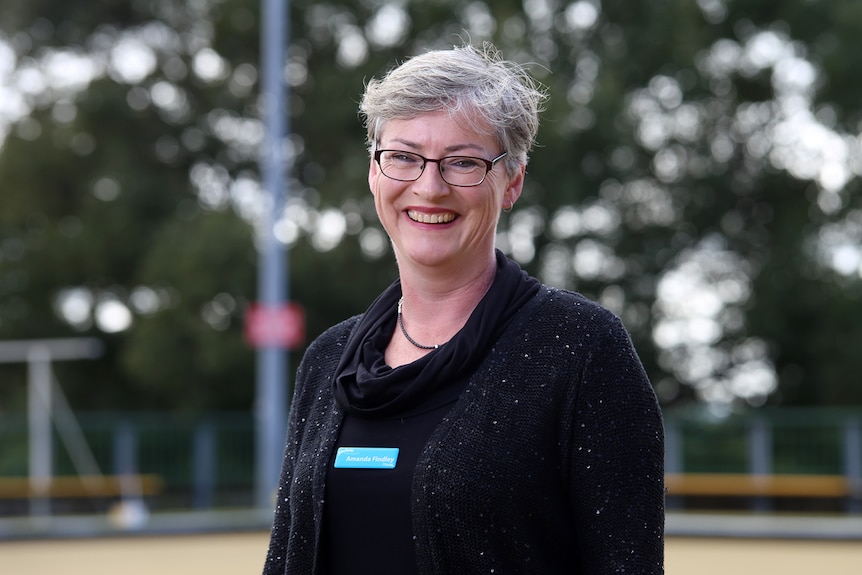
[[698, 172]]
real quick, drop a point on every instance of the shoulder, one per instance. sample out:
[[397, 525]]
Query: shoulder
[[333, 339], [325, 351], [564, 299], [562, 312], [566, 335]]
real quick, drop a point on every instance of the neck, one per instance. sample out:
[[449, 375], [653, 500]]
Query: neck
[[433, 310], [433, 293]]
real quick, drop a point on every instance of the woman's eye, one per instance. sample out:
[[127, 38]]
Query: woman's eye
[[463, 163], [404, 158]]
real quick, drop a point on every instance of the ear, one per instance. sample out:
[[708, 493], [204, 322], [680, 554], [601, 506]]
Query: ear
[[514, 188]]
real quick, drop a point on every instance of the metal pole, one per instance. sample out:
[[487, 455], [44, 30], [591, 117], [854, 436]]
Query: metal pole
[[760, 456], [39, 353], [39, 419], [271, 402], [853, 463]]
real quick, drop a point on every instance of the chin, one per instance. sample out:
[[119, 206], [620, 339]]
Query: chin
[[433, 255]]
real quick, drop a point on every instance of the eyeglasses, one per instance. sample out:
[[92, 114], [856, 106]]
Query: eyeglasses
[[464, 171]]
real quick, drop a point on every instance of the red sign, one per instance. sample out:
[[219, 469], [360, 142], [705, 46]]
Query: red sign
[[275, 326]]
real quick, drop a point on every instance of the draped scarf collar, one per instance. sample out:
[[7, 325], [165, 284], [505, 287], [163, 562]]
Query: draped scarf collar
[[365, 385]]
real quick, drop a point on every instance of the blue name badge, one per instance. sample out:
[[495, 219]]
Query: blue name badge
[[366, 457]]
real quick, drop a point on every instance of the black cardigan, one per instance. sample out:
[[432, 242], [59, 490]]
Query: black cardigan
[[551, 461]]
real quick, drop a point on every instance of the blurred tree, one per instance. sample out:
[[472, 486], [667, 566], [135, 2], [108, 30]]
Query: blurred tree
[[698, 173]]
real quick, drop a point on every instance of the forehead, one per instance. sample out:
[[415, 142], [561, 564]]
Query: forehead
[[438, 129]]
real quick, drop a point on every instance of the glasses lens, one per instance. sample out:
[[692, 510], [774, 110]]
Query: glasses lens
[[463, 170], [401, 165]]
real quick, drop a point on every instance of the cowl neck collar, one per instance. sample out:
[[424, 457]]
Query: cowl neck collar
[[365, 385]]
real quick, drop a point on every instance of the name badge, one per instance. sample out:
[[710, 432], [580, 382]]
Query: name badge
[[366, 457]]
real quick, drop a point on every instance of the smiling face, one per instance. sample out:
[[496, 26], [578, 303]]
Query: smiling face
[[432, 223]]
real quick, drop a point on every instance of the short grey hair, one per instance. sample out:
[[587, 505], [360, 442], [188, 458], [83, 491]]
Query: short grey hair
[[477, 85]]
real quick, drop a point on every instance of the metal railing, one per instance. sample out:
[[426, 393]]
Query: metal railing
[[777, 447], [207, 462]]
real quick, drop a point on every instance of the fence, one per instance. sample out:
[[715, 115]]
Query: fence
[[200, 463], [207, 462], [765, 459]]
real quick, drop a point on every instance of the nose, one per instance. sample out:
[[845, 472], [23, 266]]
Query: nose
[[430, 183]]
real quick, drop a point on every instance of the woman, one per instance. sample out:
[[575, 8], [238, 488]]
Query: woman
[[472, 420]]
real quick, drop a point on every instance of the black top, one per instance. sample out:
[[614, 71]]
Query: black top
[[368, 517]]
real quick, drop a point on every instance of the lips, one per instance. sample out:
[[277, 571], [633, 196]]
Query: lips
[[426, 218]]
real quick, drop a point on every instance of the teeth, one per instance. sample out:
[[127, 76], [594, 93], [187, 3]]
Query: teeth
[[431, 218]]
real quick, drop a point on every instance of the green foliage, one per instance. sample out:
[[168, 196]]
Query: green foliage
[[666, 162]]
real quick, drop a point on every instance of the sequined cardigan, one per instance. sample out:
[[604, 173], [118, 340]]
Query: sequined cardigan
[[551, 461]]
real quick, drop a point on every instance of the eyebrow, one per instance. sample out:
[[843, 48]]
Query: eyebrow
[[448, 149]]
